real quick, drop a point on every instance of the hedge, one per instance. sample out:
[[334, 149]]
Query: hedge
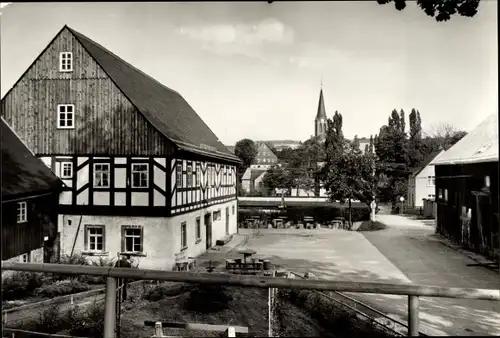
[[295, 213]]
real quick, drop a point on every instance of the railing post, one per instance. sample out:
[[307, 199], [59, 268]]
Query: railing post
[[413, 316], [158, 330], [110, 308]]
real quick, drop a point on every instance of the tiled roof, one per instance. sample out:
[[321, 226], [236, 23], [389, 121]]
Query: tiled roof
[[256, 173], [23, 174], [479, 145], [428, 160], [163, 107]]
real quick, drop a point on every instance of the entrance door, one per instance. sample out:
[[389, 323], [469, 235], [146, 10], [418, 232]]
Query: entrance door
[[227, 221], [208, 229]]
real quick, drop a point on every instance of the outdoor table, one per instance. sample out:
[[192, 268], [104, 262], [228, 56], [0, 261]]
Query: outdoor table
[[246, 253]]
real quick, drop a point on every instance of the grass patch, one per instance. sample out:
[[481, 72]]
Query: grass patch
[[371, 226], [333, 318]]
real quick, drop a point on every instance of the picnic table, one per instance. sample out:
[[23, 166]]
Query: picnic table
[[246, 253]]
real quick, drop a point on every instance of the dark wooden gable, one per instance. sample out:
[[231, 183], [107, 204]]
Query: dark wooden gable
[[106, 122]]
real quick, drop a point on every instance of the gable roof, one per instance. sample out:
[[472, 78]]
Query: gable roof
[[23, 174], [428, 160], [479, 145], [163, 107]]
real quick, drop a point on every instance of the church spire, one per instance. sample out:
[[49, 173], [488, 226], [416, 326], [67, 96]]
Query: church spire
[[320, 122], [321, 114]]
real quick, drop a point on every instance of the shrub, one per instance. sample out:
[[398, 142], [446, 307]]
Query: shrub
[[89, 323], [165, 290], [20, 285], [61, 288], [330, 316], [102, 262], [49, 320], [208, 298], [76, 259]]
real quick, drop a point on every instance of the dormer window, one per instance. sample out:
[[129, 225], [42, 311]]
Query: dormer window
[[66, 62]]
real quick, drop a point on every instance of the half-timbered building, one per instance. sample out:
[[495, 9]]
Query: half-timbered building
[[143, 173], [30, 194]]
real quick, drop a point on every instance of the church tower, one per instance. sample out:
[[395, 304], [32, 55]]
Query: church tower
[[320, 123]]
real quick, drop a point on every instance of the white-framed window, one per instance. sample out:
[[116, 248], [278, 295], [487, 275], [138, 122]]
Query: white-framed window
[[183, 235], [431, 180], [198, 174], [446, 195], [22, 212], [217, 215], [101, 175], [198, 228], [132, 238], [189, 175], [178, 175], [66, 169], [66, 62], [25, 258], [94, 238], [65, 116], [140, 175]]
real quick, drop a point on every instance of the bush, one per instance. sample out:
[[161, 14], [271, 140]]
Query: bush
[[89, 323], [208, 298], [371, 226], [61, 288], [322, 213], [76, 259], [165, 290], [20, 285], [330, 316], [75, 321], [102, 262]]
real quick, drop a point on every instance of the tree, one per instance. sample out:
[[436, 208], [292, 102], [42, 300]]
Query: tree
[[246, 150], [442, 10], [415, 156], [445, 135], [277, 177], [349, 175]]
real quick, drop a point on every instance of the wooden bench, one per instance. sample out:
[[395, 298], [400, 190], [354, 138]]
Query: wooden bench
[[231, 264], [185, 265], [224, 240]]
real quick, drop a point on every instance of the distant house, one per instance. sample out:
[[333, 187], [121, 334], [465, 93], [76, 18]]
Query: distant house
[[265, 157], [421, 183], [252, 180], [30, 193], [467, 189], [144, 173]]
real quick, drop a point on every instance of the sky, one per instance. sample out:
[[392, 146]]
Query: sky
[[254, 70]]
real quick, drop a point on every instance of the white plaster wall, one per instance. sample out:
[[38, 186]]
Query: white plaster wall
[[161, 236], [422, 188], [35, 256]]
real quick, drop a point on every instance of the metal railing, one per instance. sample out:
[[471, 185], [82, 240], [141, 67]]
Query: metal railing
[[412, 291]]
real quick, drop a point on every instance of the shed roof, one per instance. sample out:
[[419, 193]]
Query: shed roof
[[23, 174], [479, 145], [163, 107]]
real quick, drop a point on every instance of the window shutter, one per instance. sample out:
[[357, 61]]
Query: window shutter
[[123, 238], [104, 237], [142, 238], [85, 237]]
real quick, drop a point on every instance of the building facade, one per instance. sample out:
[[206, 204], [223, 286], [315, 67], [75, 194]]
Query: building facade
[[421, 182], [30, 194], [265, 157], [143, 173], [467, 190]]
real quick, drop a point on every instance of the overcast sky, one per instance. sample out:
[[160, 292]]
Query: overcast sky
[[254, 69]]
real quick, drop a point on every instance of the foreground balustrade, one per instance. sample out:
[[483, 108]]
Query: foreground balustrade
[[411, 290]]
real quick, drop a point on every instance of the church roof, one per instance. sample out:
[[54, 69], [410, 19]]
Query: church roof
[[321, 107]]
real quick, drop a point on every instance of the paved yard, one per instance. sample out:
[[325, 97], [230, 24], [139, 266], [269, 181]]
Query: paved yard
[[397, 255]]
